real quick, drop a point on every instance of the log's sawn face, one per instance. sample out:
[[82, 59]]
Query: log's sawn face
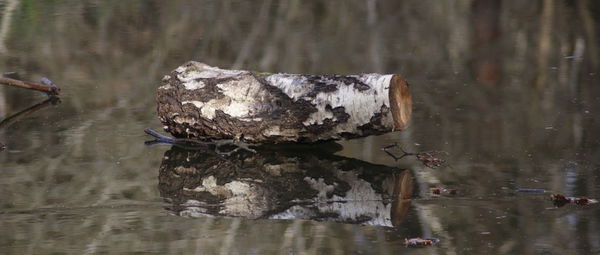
[[200, 101]]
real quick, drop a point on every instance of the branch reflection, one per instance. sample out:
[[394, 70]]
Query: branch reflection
[[6, 122], [285, 182]]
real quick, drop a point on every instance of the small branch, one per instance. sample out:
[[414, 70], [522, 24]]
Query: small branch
[[396, 158], [428, 158], [45, 86], [160, 138], [190, 143]]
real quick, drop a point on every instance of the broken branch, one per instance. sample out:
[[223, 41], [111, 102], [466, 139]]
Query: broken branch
[[560, 200], [420, 242], [191, 143], [45, 86], [428, 158]]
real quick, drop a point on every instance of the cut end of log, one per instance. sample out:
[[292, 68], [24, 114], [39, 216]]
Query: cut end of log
[[401, 102]]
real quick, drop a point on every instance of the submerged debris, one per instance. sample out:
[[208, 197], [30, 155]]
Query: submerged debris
[[420, 242], [440, 191], [196, 143], [2, 146], [560, 200], [534, 191], [428, 158]]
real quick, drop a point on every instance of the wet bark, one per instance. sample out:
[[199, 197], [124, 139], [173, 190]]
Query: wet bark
[[200, 101], [280, 183]]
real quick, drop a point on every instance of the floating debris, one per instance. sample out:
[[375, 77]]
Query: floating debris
[[440, 191], [534, 191], [428, 158], [420, 242], [560, 200], [585, 201]]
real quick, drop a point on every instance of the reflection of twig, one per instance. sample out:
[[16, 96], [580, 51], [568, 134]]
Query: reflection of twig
[[46, 85], [428, 158], [19, 115]]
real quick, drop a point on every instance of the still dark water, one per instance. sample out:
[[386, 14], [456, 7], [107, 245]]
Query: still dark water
[[511, 90]]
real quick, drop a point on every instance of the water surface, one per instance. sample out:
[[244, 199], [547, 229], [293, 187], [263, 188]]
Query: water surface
[[510, 90]]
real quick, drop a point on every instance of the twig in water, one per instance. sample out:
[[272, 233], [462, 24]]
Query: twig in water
[[385, 149], [428, 158], [211, 147], [45, 86], [420, 242], [191, 143], [443, 191], [560, 200], [174, 141]]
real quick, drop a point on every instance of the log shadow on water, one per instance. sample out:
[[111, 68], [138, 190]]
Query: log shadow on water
[[285, 182]]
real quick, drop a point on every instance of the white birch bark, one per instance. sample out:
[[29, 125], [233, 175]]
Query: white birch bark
[[289, 186], [200, 101]]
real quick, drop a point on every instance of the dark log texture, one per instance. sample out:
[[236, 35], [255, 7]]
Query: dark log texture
[[279, 183], [204, 102]]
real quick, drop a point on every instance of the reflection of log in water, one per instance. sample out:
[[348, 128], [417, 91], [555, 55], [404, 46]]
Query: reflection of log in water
[[284, 184]]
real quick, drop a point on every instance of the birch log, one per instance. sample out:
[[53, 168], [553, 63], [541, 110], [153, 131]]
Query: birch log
[[200, 101]]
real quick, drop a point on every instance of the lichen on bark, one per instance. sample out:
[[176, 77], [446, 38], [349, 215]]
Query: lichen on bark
[[200, 101]]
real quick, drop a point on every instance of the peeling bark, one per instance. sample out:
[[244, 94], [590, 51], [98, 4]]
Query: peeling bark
[[204, 102], [285, 184]]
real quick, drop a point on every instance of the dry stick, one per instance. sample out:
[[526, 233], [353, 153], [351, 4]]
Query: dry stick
[[189, 144], [396, 158], [427, 158], [194, 144], [160, 138], [48, 87]]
